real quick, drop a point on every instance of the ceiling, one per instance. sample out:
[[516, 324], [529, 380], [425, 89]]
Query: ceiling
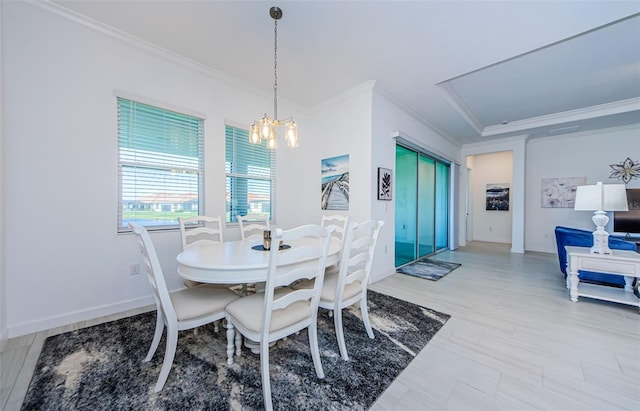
[[472, 70]]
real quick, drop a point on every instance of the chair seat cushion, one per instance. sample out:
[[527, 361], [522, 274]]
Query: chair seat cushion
[[330, 286], [198, 301], [248, 312]]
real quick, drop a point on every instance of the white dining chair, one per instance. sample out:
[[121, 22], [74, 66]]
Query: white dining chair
[[280, 311], [253, 225], [198, 230], [202, 230], [349, 284], [178, 310], [340, 222]]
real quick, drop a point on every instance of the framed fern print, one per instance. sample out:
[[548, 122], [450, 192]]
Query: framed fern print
[[384, 184]]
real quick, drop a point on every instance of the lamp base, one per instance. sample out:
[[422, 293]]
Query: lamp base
[[600, 236], [600, 243]]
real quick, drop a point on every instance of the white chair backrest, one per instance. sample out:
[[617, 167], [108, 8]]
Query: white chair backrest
[[154, 272], [341, 222], [199, 230], [357, 254], [253, 225], [305, 260]]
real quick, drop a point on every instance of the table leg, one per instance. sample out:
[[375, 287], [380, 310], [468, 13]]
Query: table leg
[[628, 283], [575, 280]]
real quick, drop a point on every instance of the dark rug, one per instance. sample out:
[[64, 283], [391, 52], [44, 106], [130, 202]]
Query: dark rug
[[428, 269], [101, 367]]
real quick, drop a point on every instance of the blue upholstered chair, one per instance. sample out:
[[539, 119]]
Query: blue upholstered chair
[[583, 238]]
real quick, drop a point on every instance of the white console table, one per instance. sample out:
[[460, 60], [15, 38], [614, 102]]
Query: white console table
[[620, 262]]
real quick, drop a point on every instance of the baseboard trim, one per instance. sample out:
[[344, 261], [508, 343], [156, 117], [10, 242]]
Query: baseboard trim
[[78, 316], [381, 276]]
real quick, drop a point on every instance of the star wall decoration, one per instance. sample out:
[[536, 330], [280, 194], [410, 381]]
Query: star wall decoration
[[626, 170]]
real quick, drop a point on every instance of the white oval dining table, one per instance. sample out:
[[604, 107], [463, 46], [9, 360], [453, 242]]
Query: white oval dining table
[[234, 262]]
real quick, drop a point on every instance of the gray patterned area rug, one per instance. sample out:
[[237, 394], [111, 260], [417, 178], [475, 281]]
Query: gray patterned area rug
[[101, 367], [428, 269]]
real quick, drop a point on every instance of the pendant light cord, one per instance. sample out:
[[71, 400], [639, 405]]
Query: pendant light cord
[[275, 69]]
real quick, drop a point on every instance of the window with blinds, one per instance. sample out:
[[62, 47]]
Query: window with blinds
[[160, 165], [250, 176]]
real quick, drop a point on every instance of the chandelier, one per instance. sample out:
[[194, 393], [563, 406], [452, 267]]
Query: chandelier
[[265, 128]]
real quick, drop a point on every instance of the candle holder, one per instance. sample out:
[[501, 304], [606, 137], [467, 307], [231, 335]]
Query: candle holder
[[266, 239]]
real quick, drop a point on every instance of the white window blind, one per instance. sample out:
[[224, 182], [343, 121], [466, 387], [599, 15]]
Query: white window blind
[[250, 176], [160, 165]]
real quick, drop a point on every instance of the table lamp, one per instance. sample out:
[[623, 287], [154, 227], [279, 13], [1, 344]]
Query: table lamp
[[601, 198]]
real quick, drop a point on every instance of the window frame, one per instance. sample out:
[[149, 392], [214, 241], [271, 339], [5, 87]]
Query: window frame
[[241, 140], [163, 162]]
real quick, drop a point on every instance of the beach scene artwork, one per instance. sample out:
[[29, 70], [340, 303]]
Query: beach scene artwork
[[335, 183]]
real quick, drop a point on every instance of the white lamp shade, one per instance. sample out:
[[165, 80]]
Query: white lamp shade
[[604, 197]]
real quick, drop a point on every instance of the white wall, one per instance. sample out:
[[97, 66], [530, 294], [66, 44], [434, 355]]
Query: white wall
[[388, 119], [490, 225], [587, 154], [3, 287], [63, 260], [340, 126]]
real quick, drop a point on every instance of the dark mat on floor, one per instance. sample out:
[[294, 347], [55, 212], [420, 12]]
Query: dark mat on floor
[[428, 268], [101, 367]]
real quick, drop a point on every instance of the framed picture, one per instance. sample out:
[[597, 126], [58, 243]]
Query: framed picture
[[560, 192], [498, 197], [335, 183], [384, 184]]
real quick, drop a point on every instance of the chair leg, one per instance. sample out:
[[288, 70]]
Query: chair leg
[[365, 317], [238, 344], [156, 336], [313, 344], [230, 334], [264, 370], [337, 321], [169, 354]]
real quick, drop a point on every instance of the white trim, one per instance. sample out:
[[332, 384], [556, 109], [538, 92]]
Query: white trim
[[154, 49], [236, 124], [413, 113], [77, 316], [608, 109], [449, 94], [588, 132], [364, 87], [414, 144], [157, 103]]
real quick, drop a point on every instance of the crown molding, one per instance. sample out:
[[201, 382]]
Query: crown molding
[[584, 133], [617, 107], [383, 92], [367, 86], [447, 91], [154, 49]]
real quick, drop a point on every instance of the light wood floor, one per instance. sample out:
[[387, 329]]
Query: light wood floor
[[514, 341]]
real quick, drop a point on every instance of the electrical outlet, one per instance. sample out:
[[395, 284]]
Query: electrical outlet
[[134, 269]]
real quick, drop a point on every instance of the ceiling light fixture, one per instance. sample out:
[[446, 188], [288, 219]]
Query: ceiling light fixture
[[265, 128]]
